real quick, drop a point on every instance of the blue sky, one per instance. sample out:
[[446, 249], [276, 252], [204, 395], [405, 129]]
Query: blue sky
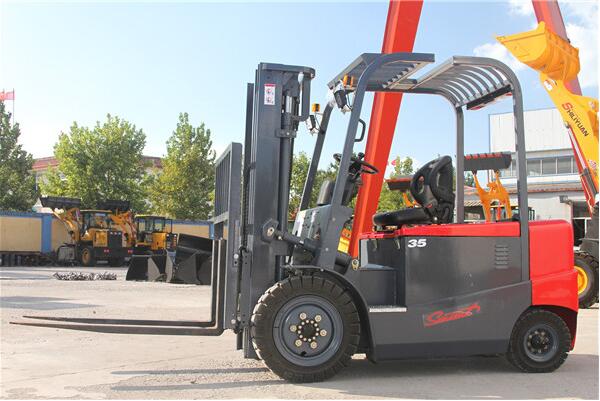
[[146, 62]]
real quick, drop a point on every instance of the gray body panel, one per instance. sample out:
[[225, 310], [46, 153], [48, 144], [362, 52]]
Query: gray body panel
[[451, 296], [404, 334]]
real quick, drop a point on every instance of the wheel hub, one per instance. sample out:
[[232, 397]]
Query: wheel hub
[[540, 343], [307, 330], [582, 280]]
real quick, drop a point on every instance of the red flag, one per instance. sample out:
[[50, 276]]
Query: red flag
[[7, 95]]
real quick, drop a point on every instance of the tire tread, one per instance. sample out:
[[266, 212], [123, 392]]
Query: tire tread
[[267, 307]]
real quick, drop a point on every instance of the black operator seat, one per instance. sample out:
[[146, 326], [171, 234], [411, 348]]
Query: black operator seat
[[431, 187]]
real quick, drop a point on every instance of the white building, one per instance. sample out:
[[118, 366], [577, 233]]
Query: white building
[[554, 187]]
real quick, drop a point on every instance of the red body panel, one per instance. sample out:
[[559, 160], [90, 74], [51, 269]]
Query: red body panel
[[507, 229], [553, 277], [399, 36], [551, 271]]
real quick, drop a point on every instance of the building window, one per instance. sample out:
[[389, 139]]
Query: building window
[[534, 167], [549, 166], [544, 166], [565, 165]]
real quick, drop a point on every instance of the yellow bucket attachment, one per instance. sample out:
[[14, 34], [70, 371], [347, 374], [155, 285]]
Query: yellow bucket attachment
[[545, 52]]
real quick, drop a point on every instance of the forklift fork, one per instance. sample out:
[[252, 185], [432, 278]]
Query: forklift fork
[[224, 270], [213, 327]]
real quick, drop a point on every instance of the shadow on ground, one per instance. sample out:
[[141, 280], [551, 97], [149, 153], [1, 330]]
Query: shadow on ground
[[40, 303], [469, 378]]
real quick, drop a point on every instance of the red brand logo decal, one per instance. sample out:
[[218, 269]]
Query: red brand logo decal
[[567, 106], [439, 316]]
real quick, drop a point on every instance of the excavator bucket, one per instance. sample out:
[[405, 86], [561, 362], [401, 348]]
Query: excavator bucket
[[147, 268], [544, 51], [60, 202], [114, 205], [192, 261]]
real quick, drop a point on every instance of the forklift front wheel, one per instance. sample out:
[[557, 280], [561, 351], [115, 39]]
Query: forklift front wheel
[[305, 328], [540, 342]]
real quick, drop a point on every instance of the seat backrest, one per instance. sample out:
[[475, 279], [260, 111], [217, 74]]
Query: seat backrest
[[431, 187]]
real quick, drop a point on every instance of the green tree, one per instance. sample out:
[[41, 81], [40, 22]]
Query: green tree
[[17, 183], [184, 189], [300, 166], [469, 179], [392, 200], [104, 162]]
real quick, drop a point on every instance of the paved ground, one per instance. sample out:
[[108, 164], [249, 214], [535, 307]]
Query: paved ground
[[48, 363]]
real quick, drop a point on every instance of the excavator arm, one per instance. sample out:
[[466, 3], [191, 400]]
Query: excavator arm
[[558, 64], [547, 50], [66, 211], [125, 222]]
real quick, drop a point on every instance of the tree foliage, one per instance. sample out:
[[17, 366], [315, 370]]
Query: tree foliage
[[17, 183], [392, 200], [104, 162], [184, 189], [300, 167], [389, 200]]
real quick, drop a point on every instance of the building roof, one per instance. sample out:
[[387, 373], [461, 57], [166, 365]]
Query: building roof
[[44, 163], [574, 186]]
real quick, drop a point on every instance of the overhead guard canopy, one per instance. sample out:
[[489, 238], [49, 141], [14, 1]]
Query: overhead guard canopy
[[464, 81]]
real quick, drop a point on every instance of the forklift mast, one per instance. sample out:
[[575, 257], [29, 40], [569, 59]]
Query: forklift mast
[[276, 104]]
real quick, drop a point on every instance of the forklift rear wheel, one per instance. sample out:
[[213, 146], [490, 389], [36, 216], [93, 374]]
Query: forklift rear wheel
[[87, 257], [116, 262], [540, 342], [587, 279], [305, 328]]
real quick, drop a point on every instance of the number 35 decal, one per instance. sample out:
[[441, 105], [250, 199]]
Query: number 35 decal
[[417, 243]]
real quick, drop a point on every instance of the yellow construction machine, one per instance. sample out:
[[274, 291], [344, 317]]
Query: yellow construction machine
[[558, 64], [92, 238], [154, 234]]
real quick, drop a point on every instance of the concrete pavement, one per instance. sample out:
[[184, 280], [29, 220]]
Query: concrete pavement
[[51, 363]]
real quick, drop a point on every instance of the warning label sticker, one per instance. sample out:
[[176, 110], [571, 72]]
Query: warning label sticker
[[270, 94]]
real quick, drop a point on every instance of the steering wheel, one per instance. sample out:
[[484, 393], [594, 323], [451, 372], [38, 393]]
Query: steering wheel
[[365, 167]]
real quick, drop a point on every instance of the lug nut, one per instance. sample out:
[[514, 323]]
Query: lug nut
[[302, 316], [323, 333], [318, 318], [293, 327], [298, 343], [313, 345]]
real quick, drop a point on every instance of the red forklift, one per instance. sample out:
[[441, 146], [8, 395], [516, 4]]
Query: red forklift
[[425, 283]]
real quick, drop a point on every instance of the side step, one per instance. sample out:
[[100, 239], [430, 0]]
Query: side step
[[387, 309]]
